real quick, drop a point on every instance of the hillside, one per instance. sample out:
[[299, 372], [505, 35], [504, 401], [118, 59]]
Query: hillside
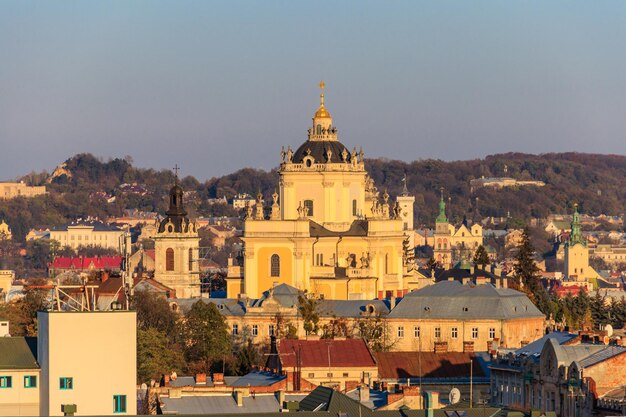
[[596, 182]]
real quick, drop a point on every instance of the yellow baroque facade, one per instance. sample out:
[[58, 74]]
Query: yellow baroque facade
[[328, 230]]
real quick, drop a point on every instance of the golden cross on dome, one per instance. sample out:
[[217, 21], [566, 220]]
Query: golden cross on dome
[[322, 85]]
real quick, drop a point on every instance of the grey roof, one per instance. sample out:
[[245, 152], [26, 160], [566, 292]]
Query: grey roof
[[453, 300], [377, 398], [317, 149], [225, 403], [351, 308], [190, 381], [98, 226], [227, 306], [257, 379], [568, 354], [607, 353], [18, 353], [535, 347], [357, 228], [286, 295]]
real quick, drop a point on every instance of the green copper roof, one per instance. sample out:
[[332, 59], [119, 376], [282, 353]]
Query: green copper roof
[[18, 353], [441, 218], [576, 235]]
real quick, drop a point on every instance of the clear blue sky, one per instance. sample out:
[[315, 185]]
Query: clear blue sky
[[216, 86]]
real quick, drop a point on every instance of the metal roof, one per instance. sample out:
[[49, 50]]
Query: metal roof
[[536, 346], [18, 353], [453, 300]]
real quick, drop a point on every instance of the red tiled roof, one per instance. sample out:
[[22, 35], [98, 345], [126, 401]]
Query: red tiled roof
[[150, 253], [101, 263], [393, 365], [315, 353]]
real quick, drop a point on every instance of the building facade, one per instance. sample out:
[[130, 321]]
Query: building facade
[[576, 262], [329, 231], [88, 359], [19, 376], [19, 189], [89, 233]]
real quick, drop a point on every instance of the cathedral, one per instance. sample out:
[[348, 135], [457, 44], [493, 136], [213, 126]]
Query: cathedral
[[451, 244], [577, 268], [327, 230]]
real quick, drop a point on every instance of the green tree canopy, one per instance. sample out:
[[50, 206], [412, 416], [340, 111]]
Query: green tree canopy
[[205, 336]]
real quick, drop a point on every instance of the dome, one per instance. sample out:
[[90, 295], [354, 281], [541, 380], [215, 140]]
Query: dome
[[322, 113], [317, 149]]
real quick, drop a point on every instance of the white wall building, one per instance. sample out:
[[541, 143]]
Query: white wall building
[[88, 359]]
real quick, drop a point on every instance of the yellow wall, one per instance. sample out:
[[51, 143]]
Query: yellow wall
[[262, 259]]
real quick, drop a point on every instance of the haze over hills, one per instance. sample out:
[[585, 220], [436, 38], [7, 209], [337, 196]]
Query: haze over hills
[[596, 182]]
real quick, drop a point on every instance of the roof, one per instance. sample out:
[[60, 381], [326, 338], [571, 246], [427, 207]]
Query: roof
[[257, 379], [535, 347], [357, 228], [317, 150], [568, 354], [400, 365], [351, 308], [376, 400], [226, 306], [224, 404], [453, 300], [607, 353], [98, 226], [18, 353], [347, 353], [82, 262]]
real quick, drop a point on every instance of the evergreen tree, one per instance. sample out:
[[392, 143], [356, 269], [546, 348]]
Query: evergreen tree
[[525, 270], [206, 337], [481, 257], [247, 358], [156, 355]]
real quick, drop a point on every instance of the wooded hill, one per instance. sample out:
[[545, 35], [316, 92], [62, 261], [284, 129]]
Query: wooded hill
[[596, 182]]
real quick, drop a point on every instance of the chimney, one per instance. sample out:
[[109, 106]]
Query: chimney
[[239, 398], [441, 347], [218, 378], [105, 276], [468, 346], [364, 393], [200, 379]]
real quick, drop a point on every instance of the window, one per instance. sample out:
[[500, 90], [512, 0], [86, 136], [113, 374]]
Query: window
[[235, 329], [6, 381], [190, 259], [30, 381], [454, 333], [66, 383], [474, 332], [416, 332], [406, 226], [400, 331], [275, 266], [329, 375], [311, 375], [318, 129], [270, 330], [169, 259], [308, 204], [319, 259], [255, 330], [345, 374], [354, 208], [492, 333], [119, 403], [437, 332]]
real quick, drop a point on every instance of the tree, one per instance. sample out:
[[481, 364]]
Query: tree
[[153, 312], [307, 307], [337, 327], [481, 257], [247, 358], [284, 329], [525, 269], [375, 332], [206, 337], [156, 355]]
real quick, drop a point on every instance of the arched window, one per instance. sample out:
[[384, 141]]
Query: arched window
[[309, 205], [190, 259], [318, 129], [169, 259], [354, 212], [275, 266]]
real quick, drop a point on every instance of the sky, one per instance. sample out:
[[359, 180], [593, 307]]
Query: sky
[[215, 86]]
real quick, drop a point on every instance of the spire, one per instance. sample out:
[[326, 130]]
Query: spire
[[321, 112], [176, 198], [441, 218], [405, 190], [576, 235]]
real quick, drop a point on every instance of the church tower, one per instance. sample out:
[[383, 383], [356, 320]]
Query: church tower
[[577, 253], [442, 242], [406, 203], [176, 245]]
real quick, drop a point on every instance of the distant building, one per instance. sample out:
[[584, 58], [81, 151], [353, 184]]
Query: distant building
[[5, 231], [329, 362], [36, 234], [88, 233], [243, 200], [502, 182], [610, 254], [19, 189], [85, 264], [576, 263], [452, 244]]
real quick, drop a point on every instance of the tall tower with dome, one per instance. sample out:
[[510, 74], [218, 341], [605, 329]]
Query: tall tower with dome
[[329, 231], [176, 246]]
